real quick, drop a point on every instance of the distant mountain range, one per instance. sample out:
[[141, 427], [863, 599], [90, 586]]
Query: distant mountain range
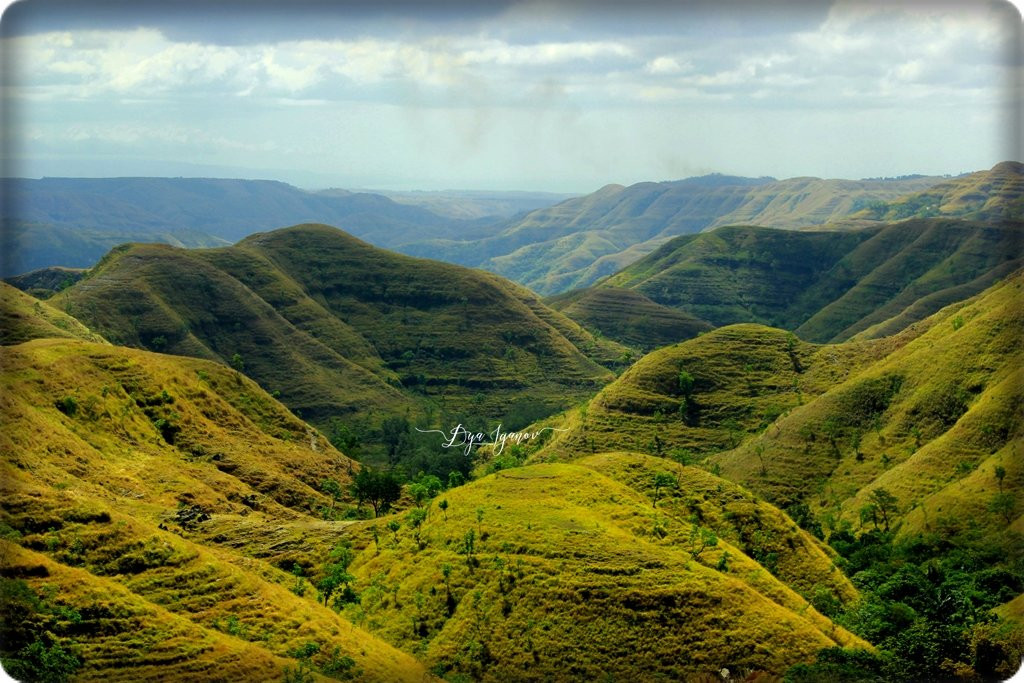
[[581, 240], [73, 222], [537, 239]]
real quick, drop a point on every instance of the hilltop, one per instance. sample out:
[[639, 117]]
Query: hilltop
[[827, 286], [342, 329], [561, 571], [995, 195], [23, 317]]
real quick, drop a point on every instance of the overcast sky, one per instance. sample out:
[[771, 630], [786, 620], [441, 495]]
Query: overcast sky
[[558, 96]]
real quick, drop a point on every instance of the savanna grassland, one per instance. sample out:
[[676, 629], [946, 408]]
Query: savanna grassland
[[754, 454]]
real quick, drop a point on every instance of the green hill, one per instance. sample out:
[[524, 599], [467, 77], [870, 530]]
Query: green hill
[[826, 286], [342, 329], [929, 423], [558, 572], [577, 242], [627, 316], [993, 195], [23, 317], [707, 394], [126, 478], [46, 282]]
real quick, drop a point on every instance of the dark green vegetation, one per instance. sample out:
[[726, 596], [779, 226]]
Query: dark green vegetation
[[827, 286], [627, 316], [344, 331], [46, 282], [581, 240]]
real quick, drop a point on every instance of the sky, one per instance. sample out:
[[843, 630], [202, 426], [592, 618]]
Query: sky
[[505, 95]]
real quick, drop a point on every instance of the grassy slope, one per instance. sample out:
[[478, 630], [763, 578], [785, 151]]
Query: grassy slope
[[23, 317], [628, 316], [99, 489], [745, 376], [995, 195], [575, 243], [338, 326], [569, 579], [828, 286], [813, 201], [933, 438]]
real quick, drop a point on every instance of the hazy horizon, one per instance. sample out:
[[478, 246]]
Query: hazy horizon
[[507, 96]]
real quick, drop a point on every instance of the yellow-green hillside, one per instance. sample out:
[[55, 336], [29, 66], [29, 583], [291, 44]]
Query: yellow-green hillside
[[709, 393], [23, 317], [556, 571], [139, 477], [996, 194], [930, 424], [757, 528]]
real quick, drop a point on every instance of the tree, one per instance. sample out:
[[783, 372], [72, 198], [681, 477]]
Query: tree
[[237, 363], [379, 488], [332, 488], [415, 518], [1003, 504], [662, 480], [886, 503], [394, 525], [335, 574], [701, 538], [444, 507], [869, 513], [394, 432], [1000, 475]]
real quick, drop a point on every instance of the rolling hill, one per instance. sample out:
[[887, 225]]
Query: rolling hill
[[581, 240], [556, 572], [930, 423], [115, 462], [827, 285], [995, 195], [627, 316], [929, 415], [342, 329]]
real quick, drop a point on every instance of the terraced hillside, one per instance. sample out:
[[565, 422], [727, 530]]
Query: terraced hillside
[[343, 329], [627, 316], [581, 240], [23, 317], [931, 423], [128, 480], [558, 571], [995, 195], [827, 286]]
